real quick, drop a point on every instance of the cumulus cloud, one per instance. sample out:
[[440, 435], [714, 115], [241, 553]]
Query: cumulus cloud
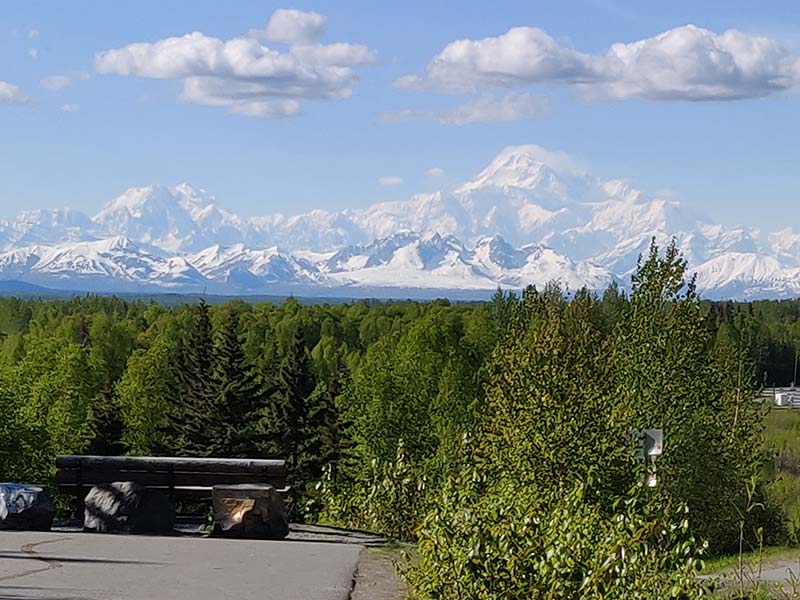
[[70, 107], [435, 172], [290, 26], [11, 94], [685, 63], [485, 109], [689, 63], [519, 56], [243, 75], [33, 34], [34, 53], [390, 180]]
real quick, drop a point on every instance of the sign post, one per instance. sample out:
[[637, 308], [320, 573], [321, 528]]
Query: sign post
[[650, 445]]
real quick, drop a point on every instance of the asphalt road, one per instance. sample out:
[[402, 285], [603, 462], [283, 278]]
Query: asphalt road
[[71, 566]]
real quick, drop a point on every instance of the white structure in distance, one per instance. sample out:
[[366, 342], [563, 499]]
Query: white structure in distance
[[787, 397]]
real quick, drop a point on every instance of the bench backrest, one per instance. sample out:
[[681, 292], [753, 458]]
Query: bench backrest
[[194, 476]]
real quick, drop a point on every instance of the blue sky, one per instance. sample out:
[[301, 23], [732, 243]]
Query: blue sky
[[126, 123]]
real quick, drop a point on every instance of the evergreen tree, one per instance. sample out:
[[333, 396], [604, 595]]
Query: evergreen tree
[[108, 424], [329, 440], [287, 418], [239, 395], [194, 427]]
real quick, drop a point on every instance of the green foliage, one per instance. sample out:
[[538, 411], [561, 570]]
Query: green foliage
[[671, 376], [553, 412], [194, 424], [496, 433], [294, 421], [489, 540], [239, 397], [22, 456], [389, 497], [143, 395], [783, 466], [417, 390]]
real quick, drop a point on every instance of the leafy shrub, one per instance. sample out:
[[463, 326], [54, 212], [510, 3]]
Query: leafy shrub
[[390, 498], [487, 542]]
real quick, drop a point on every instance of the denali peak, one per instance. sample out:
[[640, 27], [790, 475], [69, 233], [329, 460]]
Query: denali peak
[[529, 217]]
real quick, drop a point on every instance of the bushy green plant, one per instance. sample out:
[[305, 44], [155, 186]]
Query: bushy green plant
[[499, 540], [390, 498]]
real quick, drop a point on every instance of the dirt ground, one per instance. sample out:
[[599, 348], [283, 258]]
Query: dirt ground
[[376, 578]]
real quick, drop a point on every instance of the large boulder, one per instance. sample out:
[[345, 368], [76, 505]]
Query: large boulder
[[128, 507], [249, 511], [25, 507]]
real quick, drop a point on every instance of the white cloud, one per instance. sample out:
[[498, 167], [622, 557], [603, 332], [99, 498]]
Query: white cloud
[[689, 63], [290, 26], [33, 34], [34, 53], [55, 83], [251, 98], [11, 94], [241, 74], [71, 107], [685, 63], [390, 180], [334, 54], [435, 172], [519, 56], [485, 109]]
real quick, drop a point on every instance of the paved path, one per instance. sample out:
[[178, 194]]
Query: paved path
[[779, 571], [83, 566]]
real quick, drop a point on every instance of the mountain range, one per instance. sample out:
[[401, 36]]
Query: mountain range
[[529, 217]]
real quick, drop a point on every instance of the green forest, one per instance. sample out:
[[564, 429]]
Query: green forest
[[493, 435]]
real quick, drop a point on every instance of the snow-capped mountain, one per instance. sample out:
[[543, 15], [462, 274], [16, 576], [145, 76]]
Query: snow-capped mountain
[[239, 266], [114, 263], [178, 219], [529, 217]]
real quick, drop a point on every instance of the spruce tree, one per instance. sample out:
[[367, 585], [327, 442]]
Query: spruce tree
[[239, 395], [287, 419], [194, 428], [328, 441], [108, 424]]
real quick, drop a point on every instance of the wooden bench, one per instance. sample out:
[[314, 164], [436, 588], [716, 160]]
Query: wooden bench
[[75, 475]]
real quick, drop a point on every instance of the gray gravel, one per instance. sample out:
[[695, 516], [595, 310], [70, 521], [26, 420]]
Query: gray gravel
[[63, 565]]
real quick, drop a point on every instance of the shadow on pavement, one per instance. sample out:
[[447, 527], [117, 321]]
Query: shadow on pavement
[[61, 559], [23, 593]]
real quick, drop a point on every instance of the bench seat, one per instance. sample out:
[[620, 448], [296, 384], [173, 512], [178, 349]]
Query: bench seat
[[179, 476]]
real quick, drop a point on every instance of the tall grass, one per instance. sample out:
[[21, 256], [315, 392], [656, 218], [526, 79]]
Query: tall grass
[[783, 464]]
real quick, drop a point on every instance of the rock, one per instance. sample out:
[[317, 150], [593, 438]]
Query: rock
[[249, 511], [128, 507], [25, 507]]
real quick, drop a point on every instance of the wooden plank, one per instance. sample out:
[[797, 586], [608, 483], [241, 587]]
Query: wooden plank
[[87, 477], [188, 465], [179, 492], [190, 492]]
